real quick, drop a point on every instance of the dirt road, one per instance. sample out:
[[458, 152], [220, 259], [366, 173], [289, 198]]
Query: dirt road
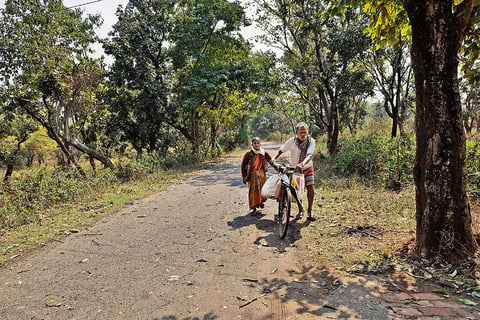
[[191, 252]]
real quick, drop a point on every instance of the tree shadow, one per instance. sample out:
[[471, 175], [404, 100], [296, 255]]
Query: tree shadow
[[320, 293], [265, 220]]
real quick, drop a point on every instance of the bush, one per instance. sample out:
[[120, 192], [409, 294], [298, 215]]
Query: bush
[[25, 197], [377, 158], [361, 156], [400, 156]]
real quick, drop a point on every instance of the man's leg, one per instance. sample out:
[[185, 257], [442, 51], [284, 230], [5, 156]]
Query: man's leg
[[310, 197]]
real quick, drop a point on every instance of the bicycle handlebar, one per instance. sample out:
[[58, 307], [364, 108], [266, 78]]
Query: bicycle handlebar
[[282, 168]]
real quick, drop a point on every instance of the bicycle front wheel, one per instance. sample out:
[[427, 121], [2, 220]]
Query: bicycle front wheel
[[284, 207]]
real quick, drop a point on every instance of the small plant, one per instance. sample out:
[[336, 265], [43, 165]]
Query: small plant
[[399, 160]]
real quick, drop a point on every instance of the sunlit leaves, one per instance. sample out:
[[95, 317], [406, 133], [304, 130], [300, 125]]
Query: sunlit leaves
[[389, 24]]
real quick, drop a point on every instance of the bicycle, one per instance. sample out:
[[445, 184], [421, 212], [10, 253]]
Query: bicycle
[[287, 190]]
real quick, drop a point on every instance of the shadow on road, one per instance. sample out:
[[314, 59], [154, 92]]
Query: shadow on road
[[208, 316], [266, 223], [320, 293]]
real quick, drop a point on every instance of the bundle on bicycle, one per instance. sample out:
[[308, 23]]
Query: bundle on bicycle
[[284, 191]]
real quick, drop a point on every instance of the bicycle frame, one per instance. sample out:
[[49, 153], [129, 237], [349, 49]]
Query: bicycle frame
[[286, 178]]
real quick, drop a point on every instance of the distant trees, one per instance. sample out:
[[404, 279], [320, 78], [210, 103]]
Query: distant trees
[[14, 131], [182, 76], [392, 72]]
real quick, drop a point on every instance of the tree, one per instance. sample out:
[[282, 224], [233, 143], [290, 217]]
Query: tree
[[438, 29], [140, 78], [212, 66], [39, 146], [179, 65], [316, 54], [392, 73], [14, 131], [443, 214], [46, 47]]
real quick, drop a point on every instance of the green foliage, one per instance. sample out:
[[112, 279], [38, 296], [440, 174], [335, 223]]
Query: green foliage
[[39, 146], [390, 160], [46, 63], [180, 160], [128, 171], [180, 66], [231, 141], [473, 165], [400, 156], [376, 157], [361, 156], [27, 197], [263, 125]]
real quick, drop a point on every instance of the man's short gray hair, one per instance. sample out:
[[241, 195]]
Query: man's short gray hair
[[301, 125]]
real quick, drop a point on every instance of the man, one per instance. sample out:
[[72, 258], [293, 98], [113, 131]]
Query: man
[[301, 148]]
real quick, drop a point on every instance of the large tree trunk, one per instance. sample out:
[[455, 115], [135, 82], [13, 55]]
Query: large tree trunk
[[442, 211]]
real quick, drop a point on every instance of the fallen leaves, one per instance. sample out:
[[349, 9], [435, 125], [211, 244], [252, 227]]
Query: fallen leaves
[[53, 303]]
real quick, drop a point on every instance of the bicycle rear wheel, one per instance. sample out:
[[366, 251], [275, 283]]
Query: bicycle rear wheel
[[284, 207]]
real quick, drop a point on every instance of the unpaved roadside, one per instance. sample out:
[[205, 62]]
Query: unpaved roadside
[[191, 252]]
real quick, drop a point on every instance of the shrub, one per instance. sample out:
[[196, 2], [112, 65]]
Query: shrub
[[400, 155], [376, 158], [361, 156]]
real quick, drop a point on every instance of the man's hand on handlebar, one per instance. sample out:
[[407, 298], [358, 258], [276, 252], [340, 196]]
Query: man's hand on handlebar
[[279, 167]]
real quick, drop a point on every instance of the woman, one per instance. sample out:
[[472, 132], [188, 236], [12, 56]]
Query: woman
[[254, 168]]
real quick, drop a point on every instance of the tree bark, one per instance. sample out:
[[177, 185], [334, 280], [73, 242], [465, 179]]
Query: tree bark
[[442, 210], [8, 171], [107, 162]]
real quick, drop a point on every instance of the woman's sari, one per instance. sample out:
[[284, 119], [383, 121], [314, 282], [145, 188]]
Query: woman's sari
[[255, 183]]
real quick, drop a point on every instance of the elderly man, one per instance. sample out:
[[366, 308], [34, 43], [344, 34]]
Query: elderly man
[[301, 148]]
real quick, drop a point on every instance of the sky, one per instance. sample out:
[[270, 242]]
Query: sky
[[107, 9]]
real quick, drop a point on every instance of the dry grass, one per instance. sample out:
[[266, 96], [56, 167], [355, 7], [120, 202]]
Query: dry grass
[[370, 229], [360, 227]]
